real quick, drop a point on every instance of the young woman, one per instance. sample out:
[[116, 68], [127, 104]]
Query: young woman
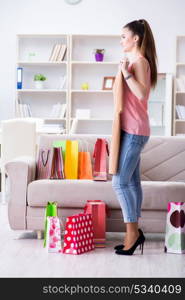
[[140, 74]]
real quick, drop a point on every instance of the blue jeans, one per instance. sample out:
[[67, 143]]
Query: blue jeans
[[127, 182]]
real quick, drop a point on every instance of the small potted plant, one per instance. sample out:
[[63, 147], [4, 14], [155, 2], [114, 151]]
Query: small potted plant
[[99, 54], [39, 79]]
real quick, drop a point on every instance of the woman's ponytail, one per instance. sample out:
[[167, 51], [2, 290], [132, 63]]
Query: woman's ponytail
[[146, 45]]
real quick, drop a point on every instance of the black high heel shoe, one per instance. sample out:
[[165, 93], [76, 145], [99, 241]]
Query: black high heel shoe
[[140, 241], [121, 246]]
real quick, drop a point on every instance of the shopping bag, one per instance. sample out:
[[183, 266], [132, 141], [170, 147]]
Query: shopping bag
[[100, 159], [175, 228], [84, 163], [43, 166], [71, 160], [53, 235], [78, 237], [50, 211], [97, 209], [57, 166], [62, 145]]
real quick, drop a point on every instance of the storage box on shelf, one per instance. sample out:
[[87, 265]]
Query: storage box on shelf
[[179, 88], [45, 54]]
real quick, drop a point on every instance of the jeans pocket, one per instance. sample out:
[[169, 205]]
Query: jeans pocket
[[140, 140]]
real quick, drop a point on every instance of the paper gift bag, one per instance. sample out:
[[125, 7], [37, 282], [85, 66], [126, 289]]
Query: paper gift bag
[[62, 145], [50, 211], [53, 235], [97, 209], [78, 237], [175, 228], [44, 161], [71, 160], [57, 166], [100, 159], [84, 163]]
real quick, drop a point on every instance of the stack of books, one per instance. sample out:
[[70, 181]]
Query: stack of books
[[58, 52], [24, 110]]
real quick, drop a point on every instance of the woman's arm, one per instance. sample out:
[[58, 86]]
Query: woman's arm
[[138, 82]]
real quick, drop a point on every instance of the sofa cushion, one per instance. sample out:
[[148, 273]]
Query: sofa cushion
[[75, 193]]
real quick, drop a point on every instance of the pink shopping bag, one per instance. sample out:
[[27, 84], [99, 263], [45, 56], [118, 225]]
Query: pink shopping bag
[[98, 210], [78, 237], [53, 235]]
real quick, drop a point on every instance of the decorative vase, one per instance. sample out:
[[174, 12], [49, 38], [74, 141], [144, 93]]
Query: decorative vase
[[99, 56], [39, 84]]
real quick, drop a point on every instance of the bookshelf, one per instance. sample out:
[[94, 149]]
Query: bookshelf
[[179, 88], [88, 111], [98, 101], [34, 56], [160, 105]]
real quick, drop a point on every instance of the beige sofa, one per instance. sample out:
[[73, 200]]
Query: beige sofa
[[162, 174]]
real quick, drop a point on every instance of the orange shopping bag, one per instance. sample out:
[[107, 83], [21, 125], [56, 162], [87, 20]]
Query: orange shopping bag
[[84, 163]]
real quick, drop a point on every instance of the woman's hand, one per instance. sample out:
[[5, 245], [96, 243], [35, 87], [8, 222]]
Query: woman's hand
[[124, 66]]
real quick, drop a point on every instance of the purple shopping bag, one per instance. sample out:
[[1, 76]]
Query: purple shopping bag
[[44, 160]]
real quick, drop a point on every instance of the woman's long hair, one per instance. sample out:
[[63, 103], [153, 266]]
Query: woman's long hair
[[146, 45]]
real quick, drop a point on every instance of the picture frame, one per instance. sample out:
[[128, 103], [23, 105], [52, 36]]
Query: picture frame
[[108, 82]]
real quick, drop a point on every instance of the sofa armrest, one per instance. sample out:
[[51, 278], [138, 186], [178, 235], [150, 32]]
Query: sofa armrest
[[21, 171]]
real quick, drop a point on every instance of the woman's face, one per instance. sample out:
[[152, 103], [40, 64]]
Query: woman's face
[[128, 40]]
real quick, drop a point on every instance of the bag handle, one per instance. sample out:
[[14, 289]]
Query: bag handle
[[107, 147], [42, 157], [95, 148]]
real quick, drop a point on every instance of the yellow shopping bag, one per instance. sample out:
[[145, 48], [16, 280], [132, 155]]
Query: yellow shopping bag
[[71, 160]]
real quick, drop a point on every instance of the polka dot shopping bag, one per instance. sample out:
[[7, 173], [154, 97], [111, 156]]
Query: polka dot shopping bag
[[78, 237], [175, 228]]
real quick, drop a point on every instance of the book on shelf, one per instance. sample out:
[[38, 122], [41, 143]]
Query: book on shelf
[[62, 82], [180, 82], [74, 125], [58, 110], [180, 109], [24, 110], [62, 52], [58, 52]]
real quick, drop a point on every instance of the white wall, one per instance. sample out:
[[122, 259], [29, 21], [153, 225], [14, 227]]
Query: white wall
[[166, 18]]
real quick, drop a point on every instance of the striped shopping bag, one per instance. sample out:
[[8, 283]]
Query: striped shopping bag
[[44, 161], [57, 166]]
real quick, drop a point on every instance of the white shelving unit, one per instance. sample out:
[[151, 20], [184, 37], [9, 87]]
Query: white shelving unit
[[97, 100], [179, 91], [80, 67], [41, 101], [160, 106]]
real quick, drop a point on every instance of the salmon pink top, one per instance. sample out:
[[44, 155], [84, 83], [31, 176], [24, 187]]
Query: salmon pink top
[[134, 118]]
